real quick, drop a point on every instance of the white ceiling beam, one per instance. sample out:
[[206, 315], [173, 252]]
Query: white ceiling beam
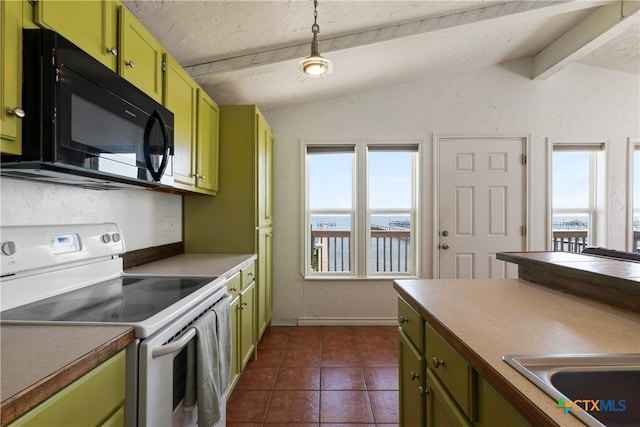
[[425, 25], [589, 34]]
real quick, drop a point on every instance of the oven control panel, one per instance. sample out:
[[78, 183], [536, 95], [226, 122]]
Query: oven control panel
[[26, 248]]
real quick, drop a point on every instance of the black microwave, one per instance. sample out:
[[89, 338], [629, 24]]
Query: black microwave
[[86, 125]]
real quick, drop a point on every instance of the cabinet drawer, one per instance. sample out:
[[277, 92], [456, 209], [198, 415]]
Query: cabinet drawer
[[248, 274], [411, 323], [234, 284], [454, 372]]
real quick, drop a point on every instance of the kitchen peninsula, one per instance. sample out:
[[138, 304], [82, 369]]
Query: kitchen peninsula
[[477, 322]]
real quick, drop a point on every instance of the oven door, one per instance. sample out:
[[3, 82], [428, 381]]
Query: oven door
[[162, 372]]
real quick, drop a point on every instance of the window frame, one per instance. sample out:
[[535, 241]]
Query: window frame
[[597, 209], [360, 250]]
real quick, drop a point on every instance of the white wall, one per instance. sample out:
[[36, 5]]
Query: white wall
[[578, 102], [140, 214]]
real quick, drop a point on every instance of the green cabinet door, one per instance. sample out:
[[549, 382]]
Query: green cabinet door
[[265, 162], [181, 96], [442, 410], [264, 282], [497, 412], [140, 55], [207, 147], [411, 383], [11, 76], [247, 310], [235, 344], [91, 25]]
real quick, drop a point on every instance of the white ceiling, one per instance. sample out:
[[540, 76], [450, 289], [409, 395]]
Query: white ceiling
[[246, 52]]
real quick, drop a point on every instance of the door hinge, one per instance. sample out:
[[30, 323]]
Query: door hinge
[[523, 159], [523, 230]]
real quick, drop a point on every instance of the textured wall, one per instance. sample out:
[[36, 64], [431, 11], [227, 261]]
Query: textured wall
[[579, 102], [140, 214]]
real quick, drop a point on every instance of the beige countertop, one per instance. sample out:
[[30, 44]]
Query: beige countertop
[[195, 265], [37, 361], [487, 319]]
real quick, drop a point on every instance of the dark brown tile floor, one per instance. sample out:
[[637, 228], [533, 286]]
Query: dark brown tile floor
[[319, 376]]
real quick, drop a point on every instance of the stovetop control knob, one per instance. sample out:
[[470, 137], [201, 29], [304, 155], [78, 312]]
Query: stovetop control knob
[[115, 237], [106, 238], [9, 248]]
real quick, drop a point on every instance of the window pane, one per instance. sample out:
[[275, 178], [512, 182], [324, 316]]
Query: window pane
[[390, 180], [391, 243], [571, 179], [331, 243], [330, 181], [570, 232]]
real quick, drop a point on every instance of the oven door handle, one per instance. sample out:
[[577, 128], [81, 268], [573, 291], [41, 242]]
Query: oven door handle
[[174, 346]]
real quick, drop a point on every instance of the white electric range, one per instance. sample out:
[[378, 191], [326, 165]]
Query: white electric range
[[73, 274]]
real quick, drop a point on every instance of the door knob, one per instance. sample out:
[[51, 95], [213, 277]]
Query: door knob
[[445, 233], [444, 246], [18, 112]]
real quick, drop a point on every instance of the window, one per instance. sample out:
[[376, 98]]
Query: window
[[360, 209], [578, 186]]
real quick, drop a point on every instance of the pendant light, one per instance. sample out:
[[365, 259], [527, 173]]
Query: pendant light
[[315, 65]]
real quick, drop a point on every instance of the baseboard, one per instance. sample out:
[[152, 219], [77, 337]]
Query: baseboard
[[347, 321]]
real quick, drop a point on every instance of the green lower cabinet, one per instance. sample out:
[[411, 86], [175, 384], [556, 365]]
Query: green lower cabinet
[[95, 399], [438, 387], [235, 344], [247, 309], [442, 410], [495, 411], [411, 383]]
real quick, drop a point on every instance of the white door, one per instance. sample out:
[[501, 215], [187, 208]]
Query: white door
[[481, 203]]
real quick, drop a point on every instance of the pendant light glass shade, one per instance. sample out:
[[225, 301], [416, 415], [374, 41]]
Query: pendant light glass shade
[[315, 65]]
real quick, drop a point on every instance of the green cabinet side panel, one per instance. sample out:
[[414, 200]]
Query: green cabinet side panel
[[495, 411]]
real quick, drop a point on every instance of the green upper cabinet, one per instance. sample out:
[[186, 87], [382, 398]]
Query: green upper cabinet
[[181, 97], [91, 25], [207, 146], [11, 77], [265, 162], [140, 55]]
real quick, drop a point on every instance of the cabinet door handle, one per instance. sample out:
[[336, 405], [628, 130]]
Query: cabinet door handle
[[199, 176], [18, 112], [130, 64], [234, 289], [437, 363], [250, 274], [413, 376], [404, 319], [422, 391], [113, 51]]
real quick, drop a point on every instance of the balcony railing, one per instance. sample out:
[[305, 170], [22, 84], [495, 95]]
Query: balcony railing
[[570, 241], [390, 251]]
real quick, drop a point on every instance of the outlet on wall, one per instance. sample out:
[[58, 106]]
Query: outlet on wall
[[169, 224]]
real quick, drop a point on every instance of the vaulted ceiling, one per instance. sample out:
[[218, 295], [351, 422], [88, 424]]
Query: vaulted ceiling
[[246, 52]]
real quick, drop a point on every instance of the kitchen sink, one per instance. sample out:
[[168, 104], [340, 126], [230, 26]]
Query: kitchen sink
[[599, 389]]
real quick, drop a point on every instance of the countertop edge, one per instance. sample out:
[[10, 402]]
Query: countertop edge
[[20, 403], [531, 412]]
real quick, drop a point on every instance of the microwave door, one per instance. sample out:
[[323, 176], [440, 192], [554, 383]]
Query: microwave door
[[156, 146]]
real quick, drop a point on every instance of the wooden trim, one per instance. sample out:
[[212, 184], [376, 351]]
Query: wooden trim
[[615, 282], [147, 255]]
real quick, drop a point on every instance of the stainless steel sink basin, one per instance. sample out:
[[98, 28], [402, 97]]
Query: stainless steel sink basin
[[599, 389]]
